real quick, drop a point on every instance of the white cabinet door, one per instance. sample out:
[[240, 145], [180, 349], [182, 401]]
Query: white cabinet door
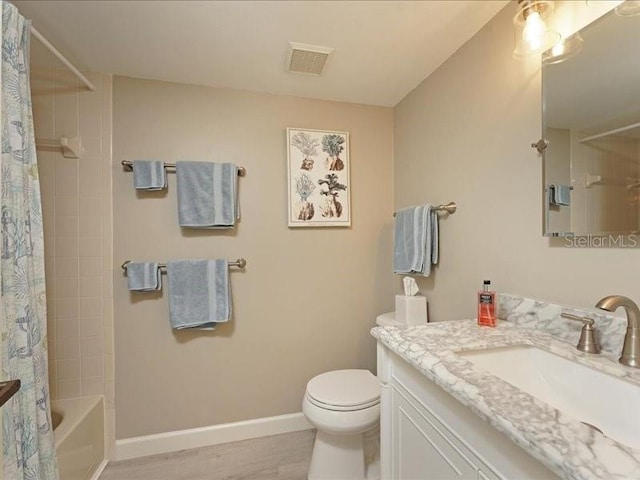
[[421, 450]]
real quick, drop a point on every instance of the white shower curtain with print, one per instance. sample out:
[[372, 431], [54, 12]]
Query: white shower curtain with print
[[27, 437]]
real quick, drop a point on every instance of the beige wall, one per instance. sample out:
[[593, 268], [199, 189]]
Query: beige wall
[[76, 204], [308, 297], [464, 135]]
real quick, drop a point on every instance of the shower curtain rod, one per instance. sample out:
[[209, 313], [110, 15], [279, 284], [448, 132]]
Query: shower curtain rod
[[63, 59]]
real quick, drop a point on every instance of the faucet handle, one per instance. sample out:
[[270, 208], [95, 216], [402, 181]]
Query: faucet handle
[[585, 320], [587, 342]]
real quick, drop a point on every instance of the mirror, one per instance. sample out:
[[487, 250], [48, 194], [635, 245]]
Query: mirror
[[591, 120]]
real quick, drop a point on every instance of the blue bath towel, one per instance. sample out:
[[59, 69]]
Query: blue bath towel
[[149, 175], [415, 240], [199, 293], [207, 194], [559, 194], [144, 276]]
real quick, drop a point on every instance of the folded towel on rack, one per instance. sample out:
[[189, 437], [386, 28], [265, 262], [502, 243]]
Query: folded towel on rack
[[149, 175], [207, 194], [415, 240], [144, 276], [199, 293], [559, 194]]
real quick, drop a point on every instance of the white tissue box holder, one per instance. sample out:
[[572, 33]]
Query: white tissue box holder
[[411, 310]]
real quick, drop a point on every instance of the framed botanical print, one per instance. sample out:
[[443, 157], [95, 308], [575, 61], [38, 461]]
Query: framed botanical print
[[318, 178]]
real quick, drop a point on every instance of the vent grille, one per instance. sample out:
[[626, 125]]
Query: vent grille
[[308, 59]]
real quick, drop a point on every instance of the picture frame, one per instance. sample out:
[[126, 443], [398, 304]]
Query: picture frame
[[318, 165]]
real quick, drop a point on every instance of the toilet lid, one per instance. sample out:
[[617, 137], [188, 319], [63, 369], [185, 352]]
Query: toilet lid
[[345, 388]]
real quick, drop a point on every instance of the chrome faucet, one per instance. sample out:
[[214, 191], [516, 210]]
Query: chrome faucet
[[631, 347]]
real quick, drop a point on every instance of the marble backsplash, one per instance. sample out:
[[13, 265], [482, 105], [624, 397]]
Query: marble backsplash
[[545, 316]]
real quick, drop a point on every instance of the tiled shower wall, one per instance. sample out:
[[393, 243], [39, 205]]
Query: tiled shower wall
[[604, 171], [77, 211]]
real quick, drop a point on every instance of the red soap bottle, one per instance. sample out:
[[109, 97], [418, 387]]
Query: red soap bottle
[[487, 306]]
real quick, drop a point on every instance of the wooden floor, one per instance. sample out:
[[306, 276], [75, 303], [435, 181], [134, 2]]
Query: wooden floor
[[277, 457]]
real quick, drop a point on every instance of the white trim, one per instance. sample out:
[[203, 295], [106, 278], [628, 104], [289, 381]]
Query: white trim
[[99, 470], [610, 132], [213, 435]]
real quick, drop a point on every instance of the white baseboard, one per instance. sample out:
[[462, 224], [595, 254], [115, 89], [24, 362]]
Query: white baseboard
[[204, 436]]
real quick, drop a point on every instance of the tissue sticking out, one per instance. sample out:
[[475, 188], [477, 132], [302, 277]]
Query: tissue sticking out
[[410, 286]]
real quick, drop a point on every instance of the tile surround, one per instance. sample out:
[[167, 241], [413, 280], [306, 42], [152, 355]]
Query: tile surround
[[76, 203]]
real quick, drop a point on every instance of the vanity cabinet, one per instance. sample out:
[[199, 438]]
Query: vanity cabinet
[[427, 434], [422, 445]]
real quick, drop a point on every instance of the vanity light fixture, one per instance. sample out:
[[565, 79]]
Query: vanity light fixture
[[563, 50], [630, 8], [531, 33]]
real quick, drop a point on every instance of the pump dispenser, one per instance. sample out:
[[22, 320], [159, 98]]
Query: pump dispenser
[[487, 306]]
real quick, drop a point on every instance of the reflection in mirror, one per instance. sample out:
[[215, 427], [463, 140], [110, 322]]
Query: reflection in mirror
[[591, 119]]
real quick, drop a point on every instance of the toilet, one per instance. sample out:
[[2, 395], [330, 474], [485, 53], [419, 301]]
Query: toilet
[[342, 405]]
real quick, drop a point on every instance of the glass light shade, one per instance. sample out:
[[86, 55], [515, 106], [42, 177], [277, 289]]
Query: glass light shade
[[531, 33], [630, 8], [563, 50]]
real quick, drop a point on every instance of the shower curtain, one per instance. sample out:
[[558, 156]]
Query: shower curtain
[[27, 436]]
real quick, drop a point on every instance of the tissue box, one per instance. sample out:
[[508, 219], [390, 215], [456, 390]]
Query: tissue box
[[411, 310]]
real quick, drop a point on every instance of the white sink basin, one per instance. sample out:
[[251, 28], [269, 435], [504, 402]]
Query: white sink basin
[[606, 402]]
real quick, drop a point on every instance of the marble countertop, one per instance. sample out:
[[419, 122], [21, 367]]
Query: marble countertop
[[568, 447]]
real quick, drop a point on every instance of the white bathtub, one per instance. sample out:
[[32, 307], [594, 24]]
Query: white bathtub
[[79, 438]]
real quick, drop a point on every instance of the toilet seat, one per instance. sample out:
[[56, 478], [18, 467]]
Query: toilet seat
[[344, 390], [337, 408]]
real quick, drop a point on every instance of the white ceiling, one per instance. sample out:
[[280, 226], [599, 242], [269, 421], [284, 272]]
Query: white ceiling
[[383, 49]]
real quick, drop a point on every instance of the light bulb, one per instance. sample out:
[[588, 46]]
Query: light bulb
[[558, 49], [531, 34], [563, 50], [533, 31]]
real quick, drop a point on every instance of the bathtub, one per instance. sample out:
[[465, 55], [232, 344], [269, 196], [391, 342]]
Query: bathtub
[[78, 432]]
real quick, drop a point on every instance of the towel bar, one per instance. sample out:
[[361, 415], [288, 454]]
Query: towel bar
[[240, 263], [450, 207], [128, 165]]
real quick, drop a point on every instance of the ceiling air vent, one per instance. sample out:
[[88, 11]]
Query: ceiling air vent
[[309, 59]]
